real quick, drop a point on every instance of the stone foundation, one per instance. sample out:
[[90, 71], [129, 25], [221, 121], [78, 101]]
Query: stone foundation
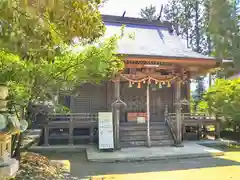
[[8, 168]]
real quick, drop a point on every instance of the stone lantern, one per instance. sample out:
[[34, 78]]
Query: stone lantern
[[8, 166]]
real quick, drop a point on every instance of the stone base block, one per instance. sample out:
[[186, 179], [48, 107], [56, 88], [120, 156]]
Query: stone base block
[[8, 168]]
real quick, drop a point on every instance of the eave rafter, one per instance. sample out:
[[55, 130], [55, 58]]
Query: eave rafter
[[192, 67]]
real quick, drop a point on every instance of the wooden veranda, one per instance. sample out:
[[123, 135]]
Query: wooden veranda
[[63, 127]]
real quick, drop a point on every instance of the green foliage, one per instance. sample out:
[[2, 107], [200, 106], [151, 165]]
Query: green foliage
[[224, 30], [35, 55], [62, 109], [30, 81], [188, 15], [202, 107], [149, 13], [33, 29], [224, 98]]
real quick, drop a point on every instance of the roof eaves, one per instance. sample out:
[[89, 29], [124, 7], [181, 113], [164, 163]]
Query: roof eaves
[[168, 57]]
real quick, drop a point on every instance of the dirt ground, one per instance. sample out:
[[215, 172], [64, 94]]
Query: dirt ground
[[215, 168]]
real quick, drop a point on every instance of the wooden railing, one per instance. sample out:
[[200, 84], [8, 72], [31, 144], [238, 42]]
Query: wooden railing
[[192, 119], [172, 126], [62, 126]]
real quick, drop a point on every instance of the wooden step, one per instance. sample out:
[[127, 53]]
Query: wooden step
[[143, 132], [143, 138], [142, 124], [162, 143], [159, 132], [127, 144], [137, 128]]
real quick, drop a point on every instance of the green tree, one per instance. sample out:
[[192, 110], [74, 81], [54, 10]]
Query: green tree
[[33, 29], [224, 30], [223, 98], [31, 82], [149, 13], [36, 56], [180, 13]]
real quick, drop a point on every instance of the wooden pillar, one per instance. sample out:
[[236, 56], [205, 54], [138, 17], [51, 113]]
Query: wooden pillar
[[116, 115], [72, 103], [165, 112], [183, 128], [46, 135], [148, 119], [188, 95], [70, 137], [217, 128], [178, 112]]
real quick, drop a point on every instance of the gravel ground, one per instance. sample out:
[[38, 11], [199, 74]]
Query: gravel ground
[[81, 168]]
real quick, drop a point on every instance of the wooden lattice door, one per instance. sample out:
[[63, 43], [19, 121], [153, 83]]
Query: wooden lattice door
[[156, 104], [134, 97]]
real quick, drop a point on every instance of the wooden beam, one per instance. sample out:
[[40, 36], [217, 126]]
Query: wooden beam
[[138, 66], [174, 60], [188, 93], [178, 112], [148, 119], [72, 103], [46, 135], [116, 115], [70, 136]]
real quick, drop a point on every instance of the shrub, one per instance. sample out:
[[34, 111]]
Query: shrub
[[224, 98]]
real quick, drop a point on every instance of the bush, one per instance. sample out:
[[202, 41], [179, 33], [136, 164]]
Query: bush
[[224, 98]]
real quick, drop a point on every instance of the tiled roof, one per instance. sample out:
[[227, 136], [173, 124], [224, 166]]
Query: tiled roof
[[150, 38]]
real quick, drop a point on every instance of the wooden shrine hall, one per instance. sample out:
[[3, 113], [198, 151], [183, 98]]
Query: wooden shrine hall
[[149, 98]]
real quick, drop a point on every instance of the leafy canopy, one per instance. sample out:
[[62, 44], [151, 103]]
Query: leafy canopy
[[224, 30], [149, 13], [224, 98], [37, 81], [33, 29], [35, 55]]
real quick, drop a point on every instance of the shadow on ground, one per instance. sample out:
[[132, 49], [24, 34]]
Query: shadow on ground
[[80, 167]]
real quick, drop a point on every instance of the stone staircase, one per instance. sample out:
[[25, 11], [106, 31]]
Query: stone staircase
[[133, 134]]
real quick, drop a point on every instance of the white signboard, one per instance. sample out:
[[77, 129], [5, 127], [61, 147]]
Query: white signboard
[[140, 120], [105, 129]]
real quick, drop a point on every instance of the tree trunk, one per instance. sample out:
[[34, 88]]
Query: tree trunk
[[197, 29], [209, 45], [14, 141], [17, 153], [209, 80], [19, 138]]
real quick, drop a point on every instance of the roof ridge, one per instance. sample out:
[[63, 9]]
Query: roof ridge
[[137, 21]]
